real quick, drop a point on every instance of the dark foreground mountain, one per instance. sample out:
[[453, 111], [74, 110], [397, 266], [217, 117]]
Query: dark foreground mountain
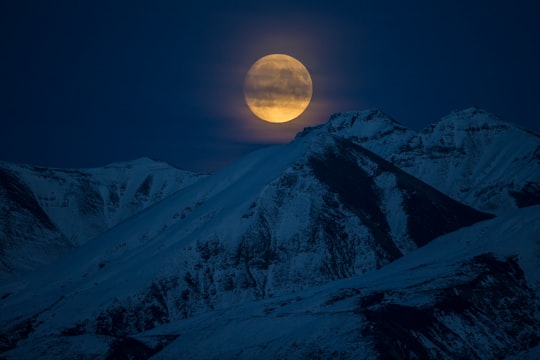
[[471, 294], [279, 254]]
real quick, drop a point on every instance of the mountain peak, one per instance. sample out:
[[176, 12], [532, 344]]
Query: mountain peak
[[371, 128], [140, 162], [365, 123], [473, 118]]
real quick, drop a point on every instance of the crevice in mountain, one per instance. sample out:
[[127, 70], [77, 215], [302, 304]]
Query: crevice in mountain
[[19, 195], [528, 195], [143, 191], [90, 201], [254, 255]]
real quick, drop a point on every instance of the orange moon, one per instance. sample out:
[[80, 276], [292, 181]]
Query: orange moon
[[278, 88]]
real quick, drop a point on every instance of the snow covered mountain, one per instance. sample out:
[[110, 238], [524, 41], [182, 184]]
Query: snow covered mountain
[[469, 294], [46, 212], [470, 155], [318, 248]]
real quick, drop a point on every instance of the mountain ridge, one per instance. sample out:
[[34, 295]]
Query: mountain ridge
[[257, 240], [495, 161], [76, 204], [210, 265]]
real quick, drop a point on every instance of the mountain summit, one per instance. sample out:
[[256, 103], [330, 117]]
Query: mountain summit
[[373, 129]]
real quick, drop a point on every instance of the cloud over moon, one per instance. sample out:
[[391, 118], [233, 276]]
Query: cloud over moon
[[278, 88]]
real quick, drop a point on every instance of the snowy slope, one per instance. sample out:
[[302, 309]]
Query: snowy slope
[[280, 220], [477, 158], [469, 294], [470, 155], [46, 212]]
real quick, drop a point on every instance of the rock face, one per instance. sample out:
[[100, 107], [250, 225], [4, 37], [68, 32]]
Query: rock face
[[45, 213], [300, 231]]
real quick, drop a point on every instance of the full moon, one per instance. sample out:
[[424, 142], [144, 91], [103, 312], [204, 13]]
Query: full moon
[[278, 88]]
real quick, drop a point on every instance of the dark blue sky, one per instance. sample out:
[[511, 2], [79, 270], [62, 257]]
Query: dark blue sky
[[86, 83]]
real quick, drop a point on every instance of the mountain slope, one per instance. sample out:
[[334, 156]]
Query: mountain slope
[[272, 224], [477, 158], [47, 212], [470, 155], [469, 294]]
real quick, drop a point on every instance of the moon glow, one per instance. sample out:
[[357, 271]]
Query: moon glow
[[278, 88]]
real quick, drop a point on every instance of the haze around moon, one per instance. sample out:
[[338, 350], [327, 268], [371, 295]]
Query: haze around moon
[[278, 88]]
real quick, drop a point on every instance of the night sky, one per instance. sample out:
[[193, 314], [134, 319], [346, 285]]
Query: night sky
[[86, 83]]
